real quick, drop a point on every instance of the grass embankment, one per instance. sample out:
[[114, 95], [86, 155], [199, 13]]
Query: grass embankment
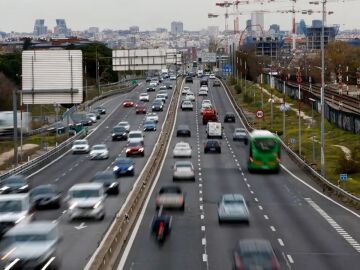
[[335, 160]]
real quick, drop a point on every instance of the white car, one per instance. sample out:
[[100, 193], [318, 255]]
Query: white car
[[144, 97], [206, 102], [99, 151], [170, 197], [204, 87], [182, 149], [185, 90], [164, 92], [187, 105], [154, 83], [14, 209], [172, 78], [161, 96], [136, 136], [125, 124], [86, 200], [80, 146], [212, 76], [183, 170], [152, 117], [92, 116], [190, 96], [203, 92]]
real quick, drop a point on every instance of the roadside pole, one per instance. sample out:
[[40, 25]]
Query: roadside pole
[[15, 127]]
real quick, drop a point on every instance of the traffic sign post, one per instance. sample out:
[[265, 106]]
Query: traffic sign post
[[343, 179], [260, 116]]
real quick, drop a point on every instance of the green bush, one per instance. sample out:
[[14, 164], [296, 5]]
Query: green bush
[[238, 88], [248, 98], [232, 80], [347, 166]]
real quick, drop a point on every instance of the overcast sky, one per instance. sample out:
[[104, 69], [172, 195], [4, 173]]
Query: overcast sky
[[20, 15]]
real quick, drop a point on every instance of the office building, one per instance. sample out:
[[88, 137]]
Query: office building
[[316, 23], [40, 28], [248, 25], [177, 28], [313, 36], [275, 28], [134, 29], [267, 46], [161, 30], [301, 30], [257, 22], [60, 29]]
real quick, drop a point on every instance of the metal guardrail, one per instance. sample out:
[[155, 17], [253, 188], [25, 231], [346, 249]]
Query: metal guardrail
[[327, 186], [35, 164], [116, 238]]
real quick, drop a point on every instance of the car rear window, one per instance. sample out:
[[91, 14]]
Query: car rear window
[[265, 144]]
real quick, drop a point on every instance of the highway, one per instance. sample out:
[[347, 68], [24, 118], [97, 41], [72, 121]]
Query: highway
[[80, 238], [306, 229]]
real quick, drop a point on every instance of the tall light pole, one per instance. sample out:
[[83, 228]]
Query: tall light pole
[[312, 130], [298, 76], [322, 98]]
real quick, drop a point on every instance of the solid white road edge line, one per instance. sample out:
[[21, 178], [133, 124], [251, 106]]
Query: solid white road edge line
[[122, 207], [293, 175], [141, 216], [60, 157]]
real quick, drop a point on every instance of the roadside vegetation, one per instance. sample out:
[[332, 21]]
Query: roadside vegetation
[[336, 140]]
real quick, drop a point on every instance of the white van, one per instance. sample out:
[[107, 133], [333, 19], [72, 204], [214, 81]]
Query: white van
[[200, 73], [214, 129]]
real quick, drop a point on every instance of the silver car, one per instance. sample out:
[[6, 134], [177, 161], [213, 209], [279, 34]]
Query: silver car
[[33, 245], [183, 170], [182, 149], [99, 151], [170, 197], [124, 124], [233, 208], [187, 105], [240, 134], [152, 117]]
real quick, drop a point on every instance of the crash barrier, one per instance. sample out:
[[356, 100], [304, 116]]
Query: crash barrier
[[327, 186], [33, 165], [114, 242]]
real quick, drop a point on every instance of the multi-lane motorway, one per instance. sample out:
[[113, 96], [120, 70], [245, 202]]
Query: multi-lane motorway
[[80, 238], [306, 229]]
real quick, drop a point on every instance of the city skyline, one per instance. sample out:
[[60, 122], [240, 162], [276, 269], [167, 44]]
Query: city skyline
[[193, 16]]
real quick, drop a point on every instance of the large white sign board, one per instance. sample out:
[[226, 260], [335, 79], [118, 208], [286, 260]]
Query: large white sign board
[[207, 57], [52, 76], [144, 59]]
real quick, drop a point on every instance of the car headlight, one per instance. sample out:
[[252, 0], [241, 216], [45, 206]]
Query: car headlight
[[113, 185], [24, 187], [97, 205], [127, 150], [4, 188], [153, 107], [130, 168], [20, 219], [141, 149], [72, 206], [115, 168], [113, 134]]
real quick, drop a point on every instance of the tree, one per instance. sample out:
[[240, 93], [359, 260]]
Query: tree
[[10, 66], [27, 43], [6, 88]]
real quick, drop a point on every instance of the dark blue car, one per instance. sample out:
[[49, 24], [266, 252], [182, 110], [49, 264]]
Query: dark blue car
[[124, 166], [149, 125]]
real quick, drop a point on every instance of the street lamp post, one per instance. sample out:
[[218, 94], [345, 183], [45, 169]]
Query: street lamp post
[[312, 130], [322, 91]]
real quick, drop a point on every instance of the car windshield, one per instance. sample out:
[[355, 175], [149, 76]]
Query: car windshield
[[119, 129], [124, 162], [85, 193], [183, 165], [123, 124], [14, 180], [149, 122], [42, 190], [227, 201], [135, 135], [99, 147], [239, 130], [10, 206], [182, 146], [265, 144], [79, 142], [134, 144]]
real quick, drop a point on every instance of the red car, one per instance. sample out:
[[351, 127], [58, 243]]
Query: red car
[[128, 103], [140, 110], [134, 149]]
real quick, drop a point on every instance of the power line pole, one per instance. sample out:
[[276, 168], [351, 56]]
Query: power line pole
[[322, 161]]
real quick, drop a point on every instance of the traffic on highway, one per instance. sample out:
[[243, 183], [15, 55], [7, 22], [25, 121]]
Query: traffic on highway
[[224, 198]]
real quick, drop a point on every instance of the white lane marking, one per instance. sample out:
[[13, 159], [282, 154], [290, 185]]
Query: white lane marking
[[318, 192], [252, 192], [12, 264], [260, 207], [200, 185], [48, 263], [200, 191], [281, 242], [203, 241], [204, 257], [266, 216], [332, 222], [256, 200], [202, 216], [203, 228], [273, 228], [200, 199], [201, 207], [290, 258], [63, 174], [248, 185], [56, 179]]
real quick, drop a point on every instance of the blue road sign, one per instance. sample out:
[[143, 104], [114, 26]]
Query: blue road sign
[[343, 177], [292, 140], [227, 68]]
